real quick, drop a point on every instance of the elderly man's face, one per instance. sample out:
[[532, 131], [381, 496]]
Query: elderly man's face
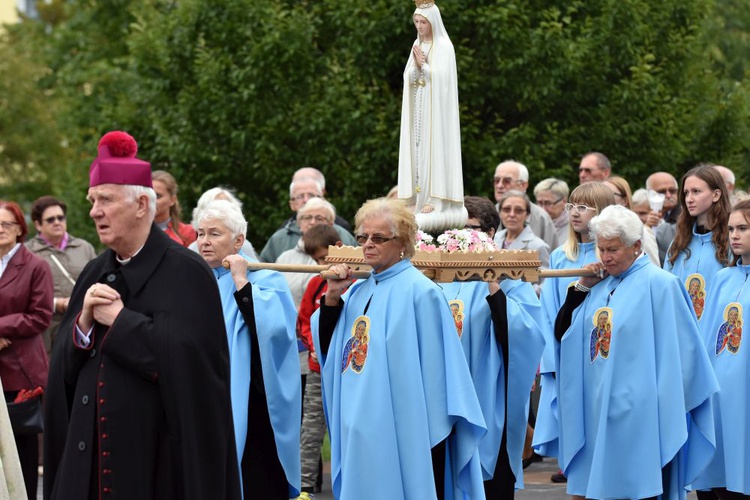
[[589, 170], [115, 215], [303, 191], [313, 217], [506, 178], [664, 183], [215, 242]]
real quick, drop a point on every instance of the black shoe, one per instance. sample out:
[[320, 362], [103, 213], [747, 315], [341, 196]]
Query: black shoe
[[533, 458], [559, 478]]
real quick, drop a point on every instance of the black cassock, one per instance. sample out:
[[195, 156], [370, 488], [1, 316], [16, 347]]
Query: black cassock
[[144, 412]]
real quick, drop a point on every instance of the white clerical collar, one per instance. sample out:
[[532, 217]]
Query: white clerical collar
[[125, 261]]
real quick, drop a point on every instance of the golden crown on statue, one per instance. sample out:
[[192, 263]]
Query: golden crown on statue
[[423, 4]]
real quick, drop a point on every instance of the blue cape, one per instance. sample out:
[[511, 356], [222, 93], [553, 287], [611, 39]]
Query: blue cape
[[389, 404], [730, 467], [643, 402], [553, 295], [702, 261], [275, 316], [525, 345]]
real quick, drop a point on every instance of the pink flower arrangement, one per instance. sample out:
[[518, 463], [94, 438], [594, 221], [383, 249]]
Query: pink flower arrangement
[[465, 240], [425, 242]]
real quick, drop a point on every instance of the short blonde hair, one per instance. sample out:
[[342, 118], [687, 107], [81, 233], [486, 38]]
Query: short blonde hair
[[314, 203], [400, 219]]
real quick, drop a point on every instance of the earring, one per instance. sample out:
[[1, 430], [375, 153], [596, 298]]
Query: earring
[[401, 255]]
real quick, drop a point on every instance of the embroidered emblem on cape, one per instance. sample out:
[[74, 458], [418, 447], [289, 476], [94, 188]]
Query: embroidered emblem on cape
[[601, 335], [457, 310], [695, 285], [355, 350], [730, 332]]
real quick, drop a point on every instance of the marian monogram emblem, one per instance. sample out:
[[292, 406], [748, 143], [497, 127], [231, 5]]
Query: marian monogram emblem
[[696, 287], [457, 310], [355, 350], [601, 335], [730, 332]]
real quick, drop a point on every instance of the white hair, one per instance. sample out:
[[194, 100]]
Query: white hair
[[523, 172], [640, 197], [311, 172], [134, 192], [210, 195], [227, 213], [314, 203], [616, 221], [305, 179], [557, 186]]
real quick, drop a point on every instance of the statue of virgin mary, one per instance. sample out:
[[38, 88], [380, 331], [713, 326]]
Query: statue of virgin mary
[[429, 166]]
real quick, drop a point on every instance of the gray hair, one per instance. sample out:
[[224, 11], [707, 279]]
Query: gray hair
[[616, 221], [640, 197], [557, 186], [210, 195], [310, 172], [523, 172], [134, 192], [513, 193], [305, 179], [227, 213], [314, 203]]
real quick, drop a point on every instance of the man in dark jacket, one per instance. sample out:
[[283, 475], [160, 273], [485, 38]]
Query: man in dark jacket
[[138, 402]]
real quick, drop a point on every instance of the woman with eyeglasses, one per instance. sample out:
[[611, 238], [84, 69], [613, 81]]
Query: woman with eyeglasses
[[515, 207], [26, 297], [552, 194], [634, 380], [65, 254], [724, 325], [700, 248], [586, 201], [396, 386]]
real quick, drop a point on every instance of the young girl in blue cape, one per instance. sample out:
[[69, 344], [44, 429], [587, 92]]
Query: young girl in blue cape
[[724, 323], [700, 248]]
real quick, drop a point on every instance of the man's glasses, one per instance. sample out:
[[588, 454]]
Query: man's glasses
[[671, 191], [547, 203], [571, 207], [375, 238], [318, 218], [305, 196], [54, 218], [7, 225], [505, 181]]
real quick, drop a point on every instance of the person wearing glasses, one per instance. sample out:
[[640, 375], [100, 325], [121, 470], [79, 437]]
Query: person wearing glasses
[[301, 190], [515, 208], [396, 386], [586, 201], [266, 395], [512, 175], [634, 379], [700, 248], [552, 194], [666, 184], [26, 296], [65, 254], [594, 167]]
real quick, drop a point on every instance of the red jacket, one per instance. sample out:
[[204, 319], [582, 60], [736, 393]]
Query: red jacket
[[187, 233], [26, 295]]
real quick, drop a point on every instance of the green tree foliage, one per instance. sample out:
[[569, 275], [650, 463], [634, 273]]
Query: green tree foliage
[[243, 92]]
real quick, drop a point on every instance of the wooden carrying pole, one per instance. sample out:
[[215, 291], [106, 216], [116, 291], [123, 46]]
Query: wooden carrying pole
[[442, 267]]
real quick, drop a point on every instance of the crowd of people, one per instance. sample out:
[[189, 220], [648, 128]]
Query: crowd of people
[[178, 370]]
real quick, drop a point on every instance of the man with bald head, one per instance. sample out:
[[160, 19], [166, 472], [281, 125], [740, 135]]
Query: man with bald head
[[594, 166], [510, 175], [666, 184], [728, 177]]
